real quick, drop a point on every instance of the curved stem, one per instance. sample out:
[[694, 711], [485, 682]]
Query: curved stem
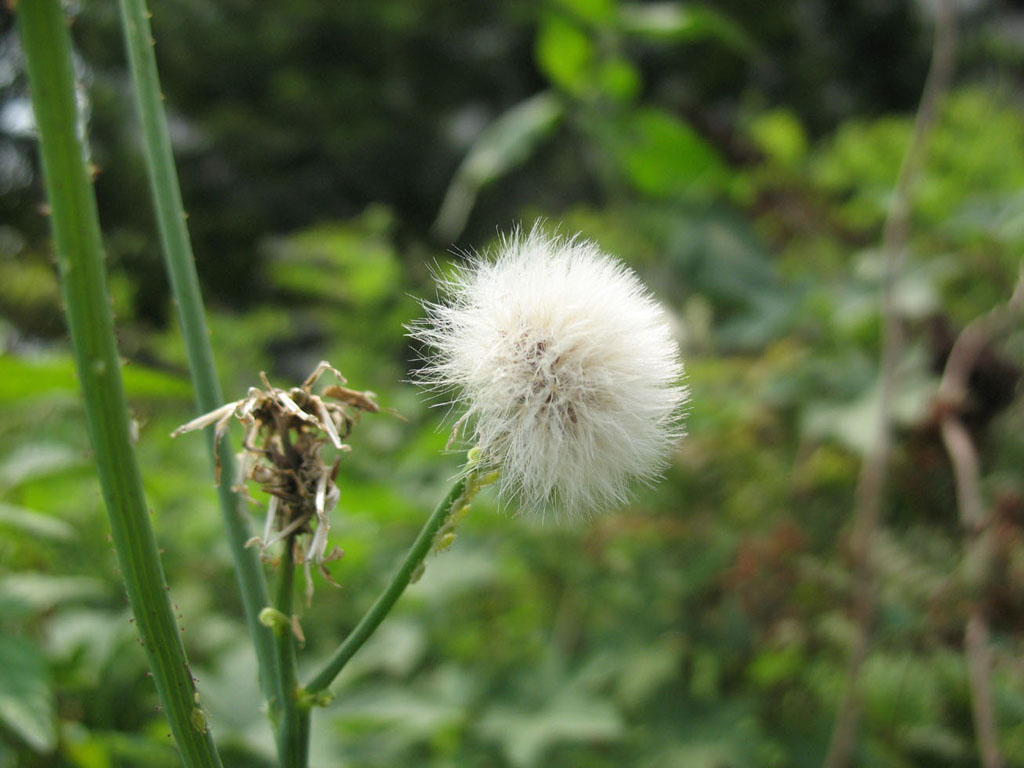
[[387, 599], [47, 45], [180, 263]]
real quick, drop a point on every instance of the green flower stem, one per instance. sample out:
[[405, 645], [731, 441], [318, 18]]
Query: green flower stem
[[47, 45], [456, 498], [293, 729], [180, 263]]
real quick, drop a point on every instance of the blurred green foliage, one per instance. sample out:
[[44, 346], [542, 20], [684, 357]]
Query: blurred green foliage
[[733, 155]]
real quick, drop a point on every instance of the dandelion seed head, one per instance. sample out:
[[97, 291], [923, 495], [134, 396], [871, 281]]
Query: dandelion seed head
[[565, 367]]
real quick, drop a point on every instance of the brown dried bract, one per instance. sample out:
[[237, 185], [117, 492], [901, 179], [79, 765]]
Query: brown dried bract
[[285, 431]]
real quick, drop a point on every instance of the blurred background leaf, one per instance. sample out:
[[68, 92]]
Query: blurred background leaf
[[740, 157], [26, 698]]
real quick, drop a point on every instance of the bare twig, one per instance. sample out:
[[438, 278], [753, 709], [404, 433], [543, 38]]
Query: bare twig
[[974, 517], [870, 483], [971, 343], [978, 557], [978, 668], [966, 472]]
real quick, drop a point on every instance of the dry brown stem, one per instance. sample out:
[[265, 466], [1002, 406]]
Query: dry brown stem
[[871, 482], [974, 517]]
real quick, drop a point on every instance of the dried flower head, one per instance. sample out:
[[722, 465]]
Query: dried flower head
[[566, 368], [285, 432]]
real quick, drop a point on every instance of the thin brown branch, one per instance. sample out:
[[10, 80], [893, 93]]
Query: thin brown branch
[[978, 669], [971, 343], [966, 472], [974, 516], [978, 557], [871, 482]]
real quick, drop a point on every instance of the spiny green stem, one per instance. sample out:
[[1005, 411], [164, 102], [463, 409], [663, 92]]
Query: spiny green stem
[[180, 263], [293, 729], [47, 45], [387, 599]]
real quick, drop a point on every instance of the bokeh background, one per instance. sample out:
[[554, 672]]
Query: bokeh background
[[741, 156]]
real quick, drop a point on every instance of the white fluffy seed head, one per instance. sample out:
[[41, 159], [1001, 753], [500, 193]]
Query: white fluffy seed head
[[565, 366]]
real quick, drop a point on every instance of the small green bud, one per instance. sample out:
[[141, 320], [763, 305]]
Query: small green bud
[[444, 541], [275, 619], [306, 700], [198, 718], [490, 477], [417, 574]]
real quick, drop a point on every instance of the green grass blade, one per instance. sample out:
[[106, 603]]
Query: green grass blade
[[47, 45], [180, 262]]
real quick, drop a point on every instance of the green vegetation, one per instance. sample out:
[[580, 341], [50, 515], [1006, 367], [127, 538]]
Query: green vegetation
[[741, 159], [79, 250]]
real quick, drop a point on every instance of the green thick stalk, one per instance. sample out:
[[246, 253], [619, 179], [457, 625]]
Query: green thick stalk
[[383, 605], [177, 247], [293, 729], [47, 45]]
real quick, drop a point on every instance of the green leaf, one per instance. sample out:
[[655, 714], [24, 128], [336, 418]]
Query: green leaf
[[41, 592], [775, 666], [231, 695], [93, 748], [503, 145], [644, 670], [619, 79], [84, 748], [459, 572], [853, 423], [566, 51], [26, 702], [663, 156], [37, 460], [22, 380], [596, 12], [93, 637], [565, 54], [726, 734], [679, 22], [396, 650], [413, 712], [781, 137], [34, 523], [525, 736], [351, 263]]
